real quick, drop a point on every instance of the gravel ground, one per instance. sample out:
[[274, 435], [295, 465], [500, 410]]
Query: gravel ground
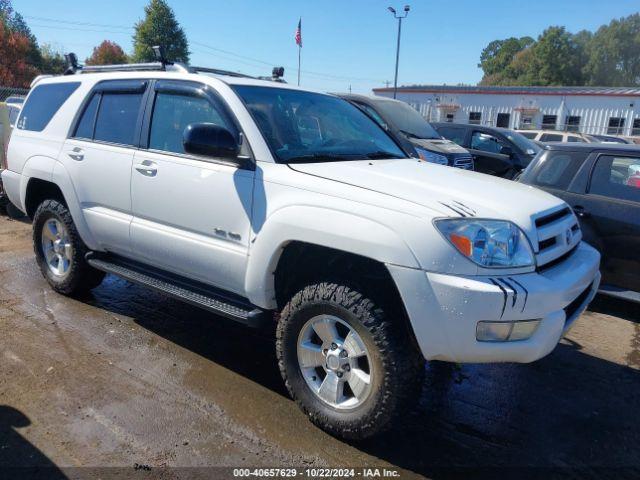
[[128, 379]]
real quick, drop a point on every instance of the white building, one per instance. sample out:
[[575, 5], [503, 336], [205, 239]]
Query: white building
[[596, 110]]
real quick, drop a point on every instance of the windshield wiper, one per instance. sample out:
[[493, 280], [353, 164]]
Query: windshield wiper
[[317, 157], [413, 135], [381, 155]]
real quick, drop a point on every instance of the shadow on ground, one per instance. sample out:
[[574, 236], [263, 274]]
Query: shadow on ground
[[569, 414], [18, 457]]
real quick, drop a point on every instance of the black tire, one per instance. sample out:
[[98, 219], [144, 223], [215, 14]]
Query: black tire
[[81, 277], [399, 366]]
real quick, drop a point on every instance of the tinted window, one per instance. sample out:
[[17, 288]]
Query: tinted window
[[550, 137], [555, 170], [117, 117], [573, 139], [43, 103], [454, 134], [529, 135], [405, 118], [373, 114], [485, 142], [617, 177], [304, 126], [85, 126], [172, 113]]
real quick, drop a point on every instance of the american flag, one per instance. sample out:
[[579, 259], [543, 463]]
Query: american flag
[[299, 33]]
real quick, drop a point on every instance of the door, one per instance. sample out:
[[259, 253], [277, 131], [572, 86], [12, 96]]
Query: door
[[612, 208], [191, 214], [502, 121], [491, 154], [98, 157]]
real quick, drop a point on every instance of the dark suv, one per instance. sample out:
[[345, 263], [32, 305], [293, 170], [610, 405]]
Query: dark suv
[[601, 182], [496, 151], [416, 136]]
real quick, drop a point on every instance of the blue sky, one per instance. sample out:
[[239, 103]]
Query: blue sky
[[348, 42]]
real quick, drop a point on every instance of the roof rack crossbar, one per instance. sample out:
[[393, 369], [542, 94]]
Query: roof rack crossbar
[[217, 71], [130, 67]]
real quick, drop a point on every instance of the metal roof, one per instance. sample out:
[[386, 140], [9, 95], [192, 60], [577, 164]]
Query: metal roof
[[486, 90]]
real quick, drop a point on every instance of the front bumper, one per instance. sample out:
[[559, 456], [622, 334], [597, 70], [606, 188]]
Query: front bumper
[[444, 309]]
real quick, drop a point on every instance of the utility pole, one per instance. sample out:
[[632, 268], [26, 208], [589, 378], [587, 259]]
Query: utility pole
[[399, 18]]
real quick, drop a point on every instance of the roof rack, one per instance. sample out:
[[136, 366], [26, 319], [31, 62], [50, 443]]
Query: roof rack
[[217, 71], [162, 64]]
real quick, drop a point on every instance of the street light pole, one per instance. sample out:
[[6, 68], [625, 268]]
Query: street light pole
[[400, 18]]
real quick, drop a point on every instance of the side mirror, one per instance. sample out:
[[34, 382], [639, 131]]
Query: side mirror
[[210, 140]]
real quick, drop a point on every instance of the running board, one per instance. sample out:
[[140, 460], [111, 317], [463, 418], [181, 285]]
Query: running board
[[618, 292], [198, 294]]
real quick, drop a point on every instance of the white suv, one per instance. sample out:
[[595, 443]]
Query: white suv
[[268, 203]]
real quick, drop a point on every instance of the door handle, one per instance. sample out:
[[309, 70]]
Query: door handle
[[581, 211], [76, 154], [147, 168]]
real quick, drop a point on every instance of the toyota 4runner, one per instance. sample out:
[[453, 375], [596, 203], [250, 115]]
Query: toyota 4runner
[[267, 203]]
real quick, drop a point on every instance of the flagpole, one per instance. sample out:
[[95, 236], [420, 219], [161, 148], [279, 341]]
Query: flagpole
[[299, 54]]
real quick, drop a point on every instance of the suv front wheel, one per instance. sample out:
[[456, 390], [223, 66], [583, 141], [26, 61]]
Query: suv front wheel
[[349, 367], [60, 251]]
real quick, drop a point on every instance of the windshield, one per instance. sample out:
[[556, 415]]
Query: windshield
[[522, 142], [405, 119], [311, 127]]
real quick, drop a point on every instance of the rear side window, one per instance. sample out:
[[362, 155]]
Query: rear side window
[[617, 177], [556, 169], [117, 118], [43, 103]]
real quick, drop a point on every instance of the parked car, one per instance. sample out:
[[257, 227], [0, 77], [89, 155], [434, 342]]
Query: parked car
[[496, 151], [546, 136], [612, 139], [601, 182], [264, 202], [417, 137], [14, 105]]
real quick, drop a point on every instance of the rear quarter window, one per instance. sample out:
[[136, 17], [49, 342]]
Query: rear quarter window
[[555, 170], [43, 103]]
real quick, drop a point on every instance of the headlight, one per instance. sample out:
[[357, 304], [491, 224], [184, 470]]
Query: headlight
[[431, 157], [489, 243]]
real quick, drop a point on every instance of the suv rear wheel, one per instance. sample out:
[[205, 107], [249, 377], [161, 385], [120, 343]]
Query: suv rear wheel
[[348, 366], [60, 251]]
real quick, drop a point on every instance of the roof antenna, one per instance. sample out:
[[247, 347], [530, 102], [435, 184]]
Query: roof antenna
[[160, 54], [72, 64]]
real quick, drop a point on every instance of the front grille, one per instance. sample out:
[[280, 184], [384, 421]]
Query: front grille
[[466, 162], [558, 235], [571, 309]]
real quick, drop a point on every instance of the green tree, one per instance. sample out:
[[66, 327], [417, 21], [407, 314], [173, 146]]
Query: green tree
[[53, 62], [556, 58], [159, 27], [107, 53], [499, 54], [614, 54]]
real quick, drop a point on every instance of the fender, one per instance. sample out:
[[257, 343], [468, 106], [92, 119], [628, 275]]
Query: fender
[[50, 170], [323, 227]]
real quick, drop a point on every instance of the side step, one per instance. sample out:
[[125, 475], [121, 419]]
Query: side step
[[196, 293], [618, 292]]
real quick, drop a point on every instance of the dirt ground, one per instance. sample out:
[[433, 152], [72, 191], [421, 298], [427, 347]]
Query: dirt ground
[[127, 378]]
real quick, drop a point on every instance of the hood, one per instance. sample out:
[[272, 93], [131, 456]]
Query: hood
[[451, 192], [438, 146]]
